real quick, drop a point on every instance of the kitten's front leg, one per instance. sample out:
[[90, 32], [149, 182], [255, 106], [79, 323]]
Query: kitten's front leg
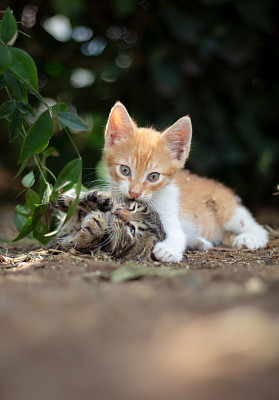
[[92, 231], [172, 248]]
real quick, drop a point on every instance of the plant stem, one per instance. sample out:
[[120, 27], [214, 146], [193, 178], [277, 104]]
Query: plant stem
[[8, 93], [73, 142], [49, 171], [24, 34], [24, 130], [41, 168], [37, 94]]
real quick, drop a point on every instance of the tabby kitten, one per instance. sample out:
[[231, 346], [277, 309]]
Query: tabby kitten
[[129, 230], [147, 166]]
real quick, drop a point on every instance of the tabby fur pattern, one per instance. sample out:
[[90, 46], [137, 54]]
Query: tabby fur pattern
[[128, 230]]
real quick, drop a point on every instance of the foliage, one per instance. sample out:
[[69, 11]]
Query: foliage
[[213, 59], [19, 78]]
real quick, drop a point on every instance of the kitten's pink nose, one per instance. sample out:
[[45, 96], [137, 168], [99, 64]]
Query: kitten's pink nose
[[134, 195]]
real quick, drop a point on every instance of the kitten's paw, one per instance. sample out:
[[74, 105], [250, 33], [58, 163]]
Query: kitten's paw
[[165, 253], [103, 199], [203, 244], [64, 201], [251, 241], [95, 224], [91, 232]]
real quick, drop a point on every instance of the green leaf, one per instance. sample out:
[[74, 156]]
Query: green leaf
[[38, 137], [40, 237], [19, 221], [5, 58], [73, 206], [31, 222], [23, 67], [21, 215], [25, 108], [7, 108], [47, 193], [22, 167], [32, 199], [60, 107], [37, 214], [50, 152], [17, 87], [78, 168], [126, 273], [15, 125], [25, 230], [23, 209], [8, 27], [2, 81], [28, 180], [71, 120], [55, 222], [68, 176]]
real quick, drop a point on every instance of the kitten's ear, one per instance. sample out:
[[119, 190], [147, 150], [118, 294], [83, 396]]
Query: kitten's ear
[[178, 138], [120, 125]]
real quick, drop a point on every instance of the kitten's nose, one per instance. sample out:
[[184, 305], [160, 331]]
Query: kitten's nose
[[134, 195]]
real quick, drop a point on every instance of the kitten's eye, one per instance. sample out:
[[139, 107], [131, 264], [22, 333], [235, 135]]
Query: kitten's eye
[[125, 170], [132, 229], [153, 177]]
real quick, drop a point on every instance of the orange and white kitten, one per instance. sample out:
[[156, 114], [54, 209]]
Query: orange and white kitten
[[147, 166]]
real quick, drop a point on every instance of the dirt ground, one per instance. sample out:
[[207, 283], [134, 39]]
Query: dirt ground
[[76, 327]]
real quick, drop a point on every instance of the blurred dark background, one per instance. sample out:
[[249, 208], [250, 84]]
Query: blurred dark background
[[216, 60]]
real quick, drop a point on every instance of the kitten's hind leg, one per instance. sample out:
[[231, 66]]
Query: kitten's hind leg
[[249, 233]]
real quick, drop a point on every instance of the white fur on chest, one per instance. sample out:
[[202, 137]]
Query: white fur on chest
[[181, 230], [167, 204]]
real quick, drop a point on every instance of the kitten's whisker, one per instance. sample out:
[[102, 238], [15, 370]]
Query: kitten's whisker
[[106, 241], [151, 203], [116, 237], [98, 184]]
